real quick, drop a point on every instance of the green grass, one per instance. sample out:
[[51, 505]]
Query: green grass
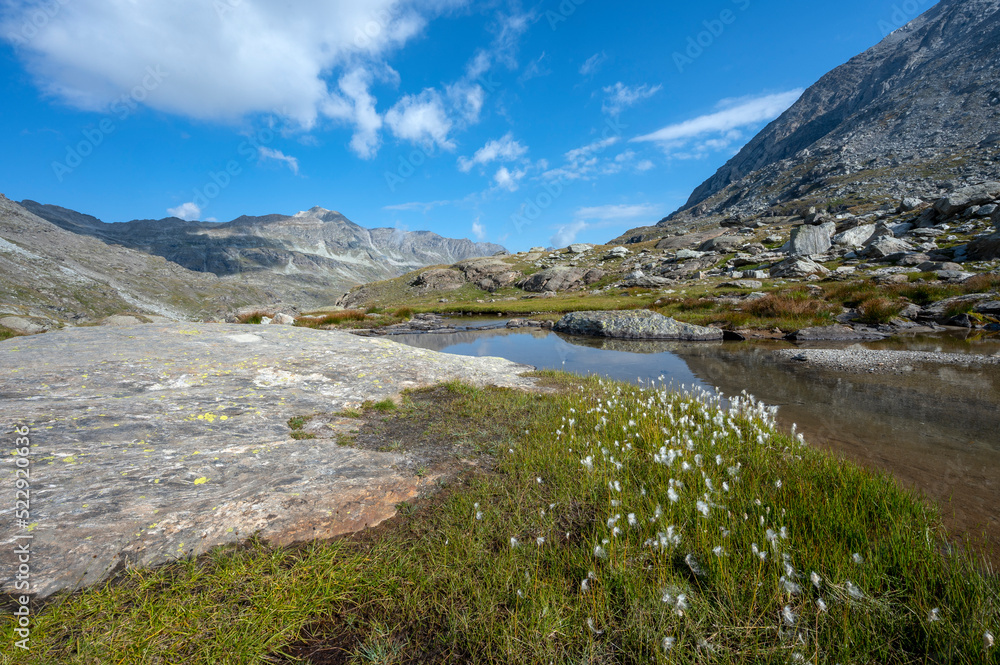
[[7, 333], [614, 525], [254, 318]]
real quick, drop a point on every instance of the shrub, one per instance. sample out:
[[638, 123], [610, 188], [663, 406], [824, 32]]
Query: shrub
[[254, 318], [879, 310]]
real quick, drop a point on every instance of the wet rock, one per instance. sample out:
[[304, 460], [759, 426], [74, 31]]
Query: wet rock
[[966, 197], [633, 324], [811, 240], [801, 267], [835, 333], [20, 324], [166, 440]]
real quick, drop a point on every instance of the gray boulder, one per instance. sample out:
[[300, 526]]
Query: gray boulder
[[648, 282], [742, 284], [855, 237], [560, 279], [798, 267], [633, 324], [722, 244], [910, 203], [689, 254], [579, 248], [995, 218], [811, 240], [283, 320], [987, 210], [616, 253], [884, 246], [19, 324], [966, 197], [986, 248], [440, 279], [122, 321]]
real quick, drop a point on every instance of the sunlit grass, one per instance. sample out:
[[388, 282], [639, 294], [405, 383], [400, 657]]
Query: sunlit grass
[[618, 525]]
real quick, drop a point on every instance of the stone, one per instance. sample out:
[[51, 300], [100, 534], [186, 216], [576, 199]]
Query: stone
[[283, 320], [560, 279], [683, 254], [855, 237], [122, 320], [995, 218], [883, 246], [913, 259], [801, 267], [989, 308], [535, 250], [835, 333], [987, 210], [937, 310], [934, 266], [811, 240], [633, 324], [910, 203], [22, 325], [966, 197], [986, 248], [579, 248], [172, 439], [635, 274], [616, 253], [741, 284], [649, 282], [953, 275], [722, 244], [440, 279]]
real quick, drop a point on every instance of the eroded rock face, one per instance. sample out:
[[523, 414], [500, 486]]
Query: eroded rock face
[[810, 240], [560, 279], [161, 441], [441, 279], [633, 324]]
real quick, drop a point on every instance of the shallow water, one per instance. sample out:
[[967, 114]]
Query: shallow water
[[934, 428]]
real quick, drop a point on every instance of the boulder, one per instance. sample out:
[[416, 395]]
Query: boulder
[[616, 253], [122, 321], [987, 210], [742, 284], [938, 310], [798, 267], [684, 254], [883, 246], [283, 320], [986, 248], [579, 248], [995, 218], [966, 197], [439, 279], [855, 237], [722, 244], [913, 259], [835, 333], [560, 279], [811, 240], [477, 270], [910, 203], [633, 324], [21, 325], [648, 282], [934, 266]]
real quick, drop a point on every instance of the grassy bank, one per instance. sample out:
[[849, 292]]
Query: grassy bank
[[606, 524]]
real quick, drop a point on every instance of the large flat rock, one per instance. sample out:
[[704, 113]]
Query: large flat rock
[[161, 441], [633, 324]]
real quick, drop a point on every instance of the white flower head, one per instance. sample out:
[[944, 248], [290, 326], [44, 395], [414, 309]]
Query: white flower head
[[857, 558], [988, 640], [821, 605], [788, 615], [514, 543], [540, 541], [934, 615], [668, 643], [599, 552], [816, 579], [592, 627], [853, 591]]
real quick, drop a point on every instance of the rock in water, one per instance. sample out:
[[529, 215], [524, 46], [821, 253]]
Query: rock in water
[[633, 324]]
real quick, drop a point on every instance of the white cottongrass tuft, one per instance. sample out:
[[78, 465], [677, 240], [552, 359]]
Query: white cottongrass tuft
[[632, 521], [702, 508], [821, 605], [672, 495], [934, 615], [599, 552], [588, 463], [988, 640], [692, 563], [788, 615], [514, 543], [592, 627], [857, 558], [853, 591], [816, 579], [585, 585], [479, 514], [540, 541], [668, 643]]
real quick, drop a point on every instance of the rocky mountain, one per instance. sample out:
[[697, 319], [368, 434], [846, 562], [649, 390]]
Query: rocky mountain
[[305, 259], [918, 114], [53, 274]]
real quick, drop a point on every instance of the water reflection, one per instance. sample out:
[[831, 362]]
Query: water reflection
[[934, 428]]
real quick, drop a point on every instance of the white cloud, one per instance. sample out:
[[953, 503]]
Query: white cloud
[[581, 163], [220, 60], [504, 149], [535, 69], [478, 231], [593, 63], [507, 179], [621, 96], [187, 211], [566, 234], [421, 119], [268, 153], [425, 206], [602, 217], [722, 129]]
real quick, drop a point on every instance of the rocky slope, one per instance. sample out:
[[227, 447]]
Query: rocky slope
[[918, 114], [306, 259], [52, 274]]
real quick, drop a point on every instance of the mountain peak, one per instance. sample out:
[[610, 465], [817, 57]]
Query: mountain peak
[[319, 212]]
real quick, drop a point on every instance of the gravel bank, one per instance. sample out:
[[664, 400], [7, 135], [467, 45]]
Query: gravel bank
[[860, 359]]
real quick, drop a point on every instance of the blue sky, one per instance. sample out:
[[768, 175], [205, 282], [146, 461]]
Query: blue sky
[[514, 122]]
